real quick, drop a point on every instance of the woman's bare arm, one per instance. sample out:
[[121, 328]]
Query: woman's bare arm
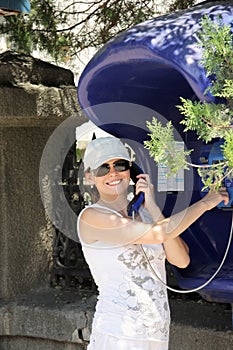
[[101, 225], [176, 250]]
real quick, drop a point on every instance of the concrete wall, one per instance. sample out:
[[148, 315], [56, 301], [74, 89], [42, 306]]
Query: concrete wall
[[26, 235], [29, 113], [47, 319]]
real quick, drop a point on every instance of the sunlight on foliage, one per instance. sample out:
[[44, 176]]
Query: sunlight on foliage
[[208, 120], [162, 146]]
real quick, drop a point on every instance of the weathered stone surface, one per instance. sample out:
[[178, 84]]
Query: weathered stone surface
[[31, 105], [29, 114], [35, 98], [197, 324], [26, 235], [22, 343], [47, 318], [17, 68], [61, 322]]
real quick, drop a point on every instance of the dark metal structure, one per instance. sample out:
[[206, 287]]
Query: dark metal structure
[[69, 269]]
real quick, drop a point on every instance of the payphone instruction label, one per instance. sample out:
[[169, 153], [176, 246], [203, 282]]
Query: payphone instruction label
[[174, 182]]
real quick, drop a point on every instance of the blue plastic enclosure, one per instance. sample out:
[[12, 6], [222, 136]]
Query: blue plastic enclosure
[[15, 5], [143, 72]]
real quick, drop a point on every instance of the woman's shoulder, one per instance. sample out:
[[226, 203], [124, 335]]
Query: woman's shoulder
[[96, 208]]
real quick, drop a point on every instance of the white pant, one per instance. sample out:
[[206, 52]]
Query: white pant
[[101, 341]]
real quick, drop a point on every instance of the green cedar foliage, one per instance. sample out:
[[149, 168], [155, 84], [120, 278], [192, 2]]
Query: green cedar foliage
[[208, 120], [162, 146]]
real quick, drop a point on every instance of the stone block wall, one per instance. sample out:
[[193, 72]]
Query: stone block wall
[[47, 319], [26, 235], [35, 98]]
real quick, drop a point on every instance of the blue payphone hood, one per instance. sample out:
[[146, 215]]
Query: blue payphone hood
[[151, 66]]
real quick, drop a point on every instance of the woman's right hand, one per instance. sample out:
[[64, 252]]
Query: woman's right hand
[[213, 198], [144, 185]]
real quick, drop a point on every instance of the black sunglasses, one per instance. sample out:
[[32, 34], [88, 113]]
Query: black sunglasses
[[118, 165]]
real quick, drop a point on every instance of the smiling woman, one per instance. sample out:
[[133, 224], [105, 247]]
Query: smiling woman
[[132, 310], [112, 179]]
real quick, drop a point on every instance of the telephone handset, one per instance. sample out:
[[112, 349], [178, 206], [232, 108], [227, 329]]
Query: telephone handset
[[136, 202]]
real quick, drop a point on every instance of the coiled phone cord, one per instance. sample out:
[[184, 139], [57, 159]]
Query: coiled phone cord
[[201, 286]]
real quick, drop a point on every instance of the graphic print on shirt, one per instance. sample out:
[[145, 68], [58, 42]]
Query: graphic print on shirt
[[146, 298]]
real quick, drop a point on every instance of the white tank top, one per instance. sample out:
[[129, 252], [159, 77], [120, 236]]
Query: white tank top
[[131, 303]]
